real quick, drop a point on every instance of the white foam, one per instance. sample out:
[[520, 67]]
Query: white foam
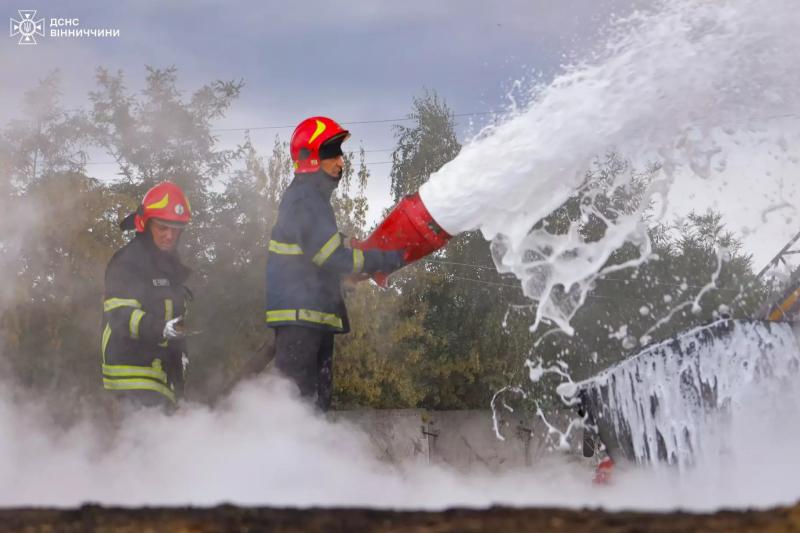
[[685, 85]]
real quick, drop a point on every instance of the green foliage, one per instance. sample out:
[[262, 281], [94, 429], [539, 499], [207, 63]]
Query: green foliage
[[425, 147], [449, 333]]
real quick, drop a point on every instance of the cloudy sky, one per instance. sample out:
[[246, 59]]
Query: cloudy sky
[[353, 61]]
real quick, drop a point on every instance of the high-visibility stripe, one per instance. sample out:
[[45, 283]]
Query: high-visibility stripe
[[106, 337], [358, 261], [282, 315], [283, 248], [132, 371], [133, 323], [327, 249], [319, 318], [305, 315], [168, 315], [138, 384], [114, 303]]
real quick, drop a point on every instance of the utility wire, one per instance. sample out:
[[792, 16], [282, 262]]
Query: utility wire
[[680, 285], [354, 122], [517, 287]]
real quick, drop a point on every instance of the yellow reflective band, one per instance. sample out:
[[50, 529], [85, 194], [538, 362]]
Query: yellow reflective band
[[106, 337], [319, 318], [327, 249], [282, 315], [138, 384], [131, 371], [168, 312], [358, 261], [283, 248], [318, 131], [306, 315], [133, 323], [161, 204], [114, 303]]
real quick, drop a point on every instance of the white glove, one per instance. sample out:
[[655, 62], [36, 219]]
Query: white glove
[[184, 362], [173, 329]]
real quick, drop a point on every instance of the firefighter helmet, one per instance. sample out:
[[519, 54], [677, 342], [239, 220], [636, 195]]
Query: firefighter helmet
[[307, 139], [166, 203]]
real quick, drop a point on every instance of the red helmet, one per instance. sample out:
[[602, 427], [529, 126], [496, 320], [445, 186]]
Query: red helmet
[[307, 139], [166, 203]]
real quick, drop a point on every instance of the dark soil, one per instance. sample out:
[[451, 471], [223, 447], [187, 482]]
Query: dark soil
[[495, 519]]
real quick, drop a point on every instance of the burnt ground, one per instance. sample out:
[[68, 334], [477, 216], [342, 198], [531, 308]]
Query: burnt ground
[[495, 519]]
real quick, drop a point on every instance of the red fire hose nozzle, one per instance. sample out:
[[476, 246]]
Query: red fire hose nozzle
[[408, 227]]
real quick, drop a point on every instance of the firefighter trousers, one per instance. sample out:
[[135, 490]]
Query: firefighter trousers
[[305, 355]]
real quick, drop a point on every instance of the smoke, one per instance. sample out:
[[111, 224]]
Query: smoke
[[265, 447]]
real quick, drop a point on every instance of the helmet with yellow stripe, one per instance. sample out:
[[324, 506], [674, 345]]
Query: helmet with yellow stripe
[[166, 203], [314, 139]]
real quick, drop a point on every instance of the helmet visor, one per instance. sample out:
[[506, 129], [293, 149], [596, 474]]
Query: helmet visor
[[170, 223]]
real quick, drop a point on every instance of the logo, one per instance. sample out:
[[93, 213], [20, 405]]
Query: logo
[[27, 27], [161, 282], [179, 209]]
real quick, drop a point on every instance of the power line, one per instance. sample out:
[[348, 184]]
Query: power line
[[352, 122], [588, 296], [649, 284]]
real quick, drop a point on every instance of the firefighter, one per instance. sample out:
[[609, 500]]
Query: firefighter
[[143, 341], [308, 260]]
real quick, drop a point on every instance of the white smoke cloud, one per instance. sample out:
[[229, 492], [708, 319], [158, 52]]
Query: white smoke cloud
[[264, 447]]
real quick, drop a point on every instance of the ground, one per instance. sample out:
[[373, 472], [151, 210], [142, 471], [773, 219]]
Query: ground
[[496, 519]]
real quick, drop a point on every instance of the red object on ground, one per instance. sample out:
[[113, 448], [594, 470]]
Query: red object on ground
[[410, 227], [602, 474]]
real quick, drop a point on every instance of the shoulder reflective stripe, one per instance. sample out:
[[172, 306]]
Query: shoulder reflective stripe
[[327, 249], [168, 315], [131, 371], [133, 323], [318, 317], [138, 384], [114, 303], [282, 315], [106, 337], [283, 248], [358, 261]]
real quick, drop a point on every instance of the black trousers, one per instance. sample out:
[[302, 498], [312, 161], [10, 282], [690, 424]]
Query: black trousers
[[305, 355]]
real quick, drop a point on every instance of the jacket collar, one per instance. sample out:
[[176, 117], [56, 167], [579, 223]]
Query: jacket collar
[[169, 263], [320, 181]]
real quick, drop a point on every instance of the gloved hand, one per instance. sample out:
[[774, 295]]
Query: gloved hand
[[393, 260], [173, 329]]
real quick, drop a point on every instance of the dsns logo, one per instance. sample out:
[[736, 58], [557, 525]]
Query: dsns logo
[[27, 27]]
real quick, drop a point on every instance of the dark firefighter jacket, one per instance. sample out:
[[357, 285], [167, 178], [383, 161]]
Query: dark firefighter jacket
[[144, 289], [308, 258]]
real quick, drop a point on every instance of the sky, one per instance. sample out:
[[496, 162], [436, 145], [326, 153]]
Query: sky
[[352, 61]]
